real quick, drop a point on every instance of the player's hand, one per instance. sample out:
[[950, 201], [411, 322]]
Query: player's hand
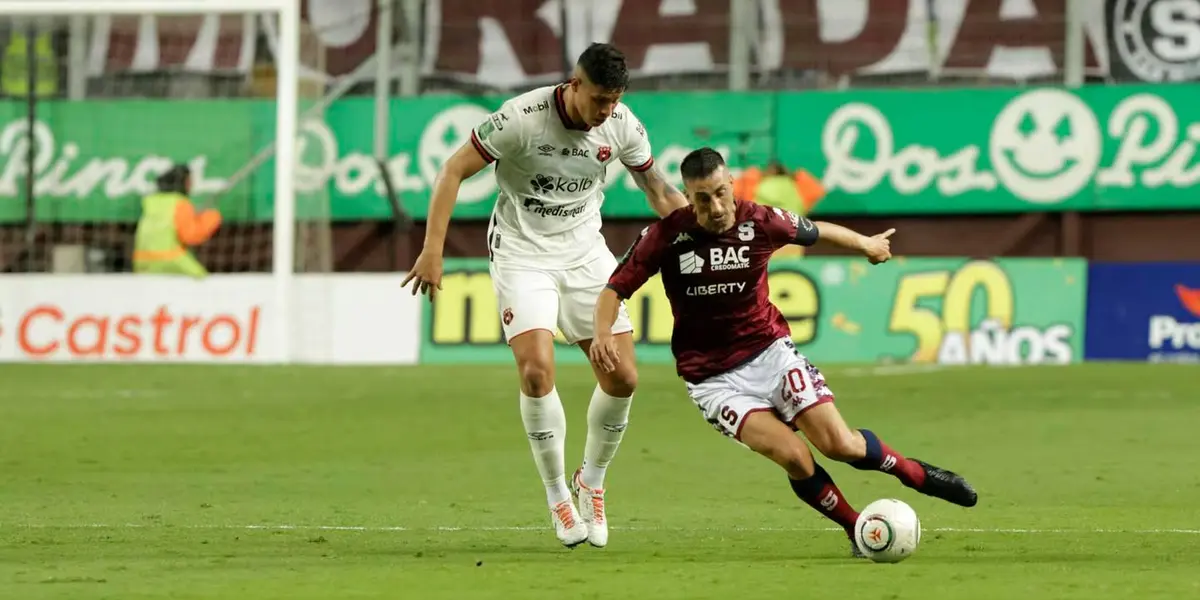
[[604, 354], [426, 275], [878, 248]]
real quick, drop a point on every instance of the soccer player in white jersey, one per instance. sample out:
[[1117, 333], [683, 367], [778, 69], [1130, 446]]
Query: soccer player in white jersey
[[548, 261]]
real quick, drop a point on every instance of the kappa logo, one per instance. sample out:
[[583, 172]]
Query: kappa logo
[[1158, 40], [690, 264], [604, 153], [681, 238]]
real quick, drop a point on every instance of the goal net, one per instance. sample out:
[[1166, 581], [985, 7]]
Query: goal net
[[101, 97]]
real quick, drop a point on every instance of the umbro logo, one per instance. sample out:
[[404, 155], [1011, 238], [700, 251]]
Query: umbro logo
[[683, 237], [546, 150]]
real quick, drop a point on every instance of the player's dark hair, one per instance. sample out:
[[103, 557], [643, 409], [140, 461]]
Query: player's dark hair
[[605, 66], [701, 163]]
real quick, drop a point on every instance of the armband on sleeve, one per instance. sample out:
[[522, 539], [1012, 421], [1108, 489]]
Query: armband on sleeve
[[807, 233]]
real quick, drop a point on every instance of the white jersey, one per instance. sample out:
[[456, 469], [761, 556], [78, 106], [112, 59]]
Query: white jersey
[[551, 174]]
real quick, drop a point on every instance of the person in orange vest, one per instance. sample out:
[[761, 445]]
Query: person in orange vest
[[797, 192], [170, 224]]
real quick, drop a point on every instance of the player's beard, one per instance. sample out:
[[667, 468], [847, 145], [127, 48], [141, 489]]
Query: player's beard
[[718, 225]]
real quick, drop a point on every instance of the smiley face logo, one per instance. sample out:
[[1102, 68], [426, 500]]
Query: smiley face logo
[[1045, 146]]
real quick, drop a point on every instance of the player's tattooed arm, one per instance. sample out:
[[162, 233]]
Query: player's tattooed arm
[[663, 197]]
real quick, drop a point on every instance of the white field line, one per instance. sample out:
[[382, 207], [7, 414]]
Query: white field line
[[714, 530], [887, 370]]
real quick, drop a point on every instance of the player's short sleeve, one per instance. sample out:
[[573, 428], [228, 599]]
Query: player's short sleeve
[[639, 263], [635, 152], [786, 227], [498, 135]]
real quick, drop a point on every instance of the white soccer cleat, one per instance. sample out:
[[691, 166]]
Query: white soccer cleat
[[591, 508], [569, 528]]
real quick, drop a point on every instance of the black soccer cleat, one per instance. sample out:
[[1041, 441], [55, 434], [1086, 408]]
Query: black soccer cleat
[[855, 551], [947, 485]]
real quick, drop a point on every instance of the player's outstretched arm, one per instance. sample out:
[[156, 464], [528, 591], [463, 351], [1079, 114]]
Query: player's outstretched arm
[[426, 273], [876, 248], [663, 197]]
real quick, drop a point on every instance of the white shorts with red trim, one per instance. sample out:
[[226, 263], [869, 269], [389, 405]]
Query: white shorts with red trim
[[780, 380], [554, 299]]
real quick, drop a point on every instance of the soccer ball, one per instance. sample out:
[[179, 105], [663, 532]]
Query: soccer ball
[[887, 531]]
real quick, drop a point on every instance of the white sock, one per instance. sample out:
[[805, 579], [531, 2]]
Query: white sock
[[607, 418], [546, 427]]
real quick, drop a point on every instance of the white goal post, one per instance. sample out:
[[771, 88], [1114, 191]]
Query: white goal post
[[287, 65]]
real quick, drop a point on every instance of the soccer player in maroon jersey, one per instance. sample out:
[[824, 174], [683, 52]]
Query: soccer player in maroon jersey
[[733, 348]]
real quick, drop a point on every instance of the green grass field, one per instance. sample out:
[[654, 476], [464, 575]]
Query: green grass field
[[129, 482]]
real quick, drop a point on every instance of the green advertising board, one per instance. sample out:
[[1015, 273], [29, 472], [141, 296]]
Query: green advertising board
[[841, 310], [996, 150], [94, 160], [877, 151]]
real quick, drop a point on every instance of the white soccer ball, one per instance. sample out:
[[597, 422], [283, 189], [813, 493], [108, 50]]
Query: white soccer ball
[[887, 531]]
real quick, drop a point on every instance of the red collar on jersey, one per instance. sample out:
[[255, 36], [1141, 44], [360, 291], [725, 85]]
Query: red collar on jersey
[[561, 105]]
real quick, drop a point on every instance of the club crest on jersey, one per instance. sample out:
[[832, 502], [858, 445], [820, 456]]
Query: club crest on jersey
[[604, 153]]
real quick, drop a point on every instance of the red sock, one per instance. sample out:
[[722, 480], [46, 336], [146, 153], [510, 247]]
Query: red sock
[[882, 458], [821, 493]]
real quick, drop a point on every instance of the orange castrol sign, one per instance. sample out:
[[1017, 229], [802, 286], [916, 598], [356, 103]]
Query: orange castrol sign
[[49, 331]]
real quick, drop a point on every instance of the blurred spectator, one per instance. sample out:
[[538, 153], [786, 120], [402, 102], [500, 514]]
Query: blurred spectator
[[169, 224], [14, 66], [798, 192]]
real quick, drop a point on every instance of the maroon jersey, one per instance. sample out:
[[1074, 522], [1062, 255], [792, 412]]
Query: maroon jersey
[[717, 284]]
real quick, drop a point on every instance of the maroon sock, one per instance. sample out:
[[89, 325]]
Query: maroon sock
[[821, 493], [882, 458]]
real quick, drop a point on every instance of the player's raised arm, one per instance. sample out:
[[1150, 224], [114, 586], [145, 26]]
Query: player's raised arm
[[786, 227], [637, 156], [495, 136], [639, 264], [877, 248]]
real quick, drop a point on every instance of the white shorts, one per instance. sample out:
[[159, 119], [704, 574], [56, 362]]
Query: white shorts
[[779, 380], [564, 299]]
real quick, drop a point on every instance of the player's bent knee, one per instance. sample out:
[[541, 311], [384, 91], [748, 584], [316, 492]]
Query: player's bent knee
[[537, 379], [534, 352], [620, 384]]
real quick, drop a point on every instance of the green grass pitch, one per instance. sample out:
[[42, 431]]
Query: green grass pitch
[[240, 483]]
